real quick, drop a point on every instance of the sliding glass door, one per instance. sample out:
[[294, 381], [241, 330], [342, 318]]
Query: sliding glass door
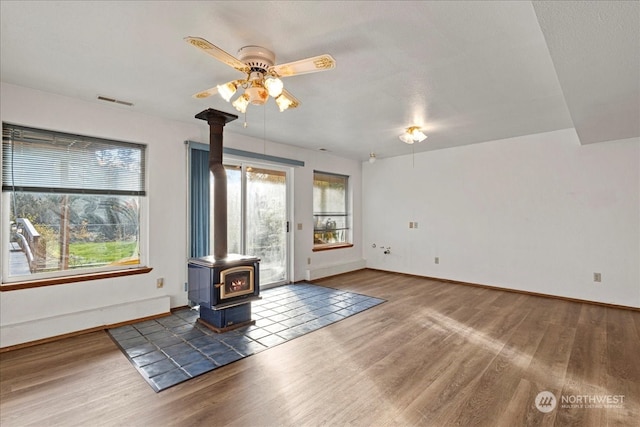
[[258, 218]]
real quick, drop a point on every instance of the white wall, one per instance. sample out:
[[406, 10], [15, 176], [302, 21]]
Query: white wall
[[538, 213], [32, 314]]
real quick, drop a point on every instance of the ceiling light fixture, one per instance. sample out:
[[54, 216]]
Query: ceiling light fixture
[[412, 134], [262, 78], [372, 158], [257, 90]]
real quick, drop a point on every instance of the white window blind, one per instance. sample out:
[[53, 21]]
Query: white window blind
[[35, 160]]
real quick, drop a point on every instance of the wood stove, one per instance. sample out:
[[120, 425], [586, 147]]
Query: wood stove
[[224, 289], [222, 284]]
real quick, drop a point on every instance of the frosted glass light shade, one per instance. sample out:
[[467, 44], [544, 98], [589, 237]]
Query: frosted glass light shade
[[406, 138], [227, 90], [412, 134], [241, 103], [257, 95], [283, 102], [274, 86], [418, 136]]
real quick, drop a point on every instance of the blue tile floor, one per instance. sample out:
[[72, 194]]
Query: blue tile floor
[[173, 349]]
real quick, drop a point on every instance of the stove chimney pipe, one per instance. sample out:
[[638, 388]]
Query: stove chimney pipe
[[217, 120]]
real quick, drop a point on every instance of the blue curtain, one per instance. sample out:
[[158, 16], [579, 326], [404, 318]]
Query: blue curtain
[[199, 196]]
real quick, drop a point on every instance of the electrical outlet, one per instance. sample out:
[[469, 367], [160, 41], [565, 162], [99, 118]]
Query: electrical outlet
[[159, 282], [415, 224], [597, 277], [436, 260], [308, 261], [299, 226], [410, 224]]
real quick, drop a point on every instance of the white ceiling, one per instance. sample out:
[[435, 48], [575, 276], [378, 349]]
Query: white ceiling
[[467, 72]]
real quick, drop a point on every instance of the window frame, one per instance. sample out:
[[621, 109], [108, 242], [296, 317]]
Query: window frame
[[82, 274], [348, 215]]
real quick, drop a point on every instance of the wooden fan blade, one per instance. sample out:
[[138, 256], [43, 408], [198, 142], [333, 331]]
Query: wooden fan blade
[[294, 101], [217, 53], [206, 93], [305, 66]]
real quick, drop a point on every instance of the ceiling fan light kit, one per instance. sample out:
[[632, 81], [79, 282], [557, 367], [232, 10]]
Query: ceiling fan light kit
[[412, 134], [262, 76]]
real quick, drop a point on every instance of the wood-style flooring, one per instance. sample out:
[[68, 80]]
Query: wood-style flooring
[[434, 354]]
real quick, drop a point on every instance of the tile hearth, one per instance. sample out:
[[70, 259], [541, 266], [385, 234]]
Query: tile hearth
[[173, 349]]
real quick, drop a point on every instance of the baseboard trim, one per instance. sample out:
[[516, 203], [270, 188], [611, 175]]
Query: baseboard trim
[[518, 291], [438, 279], [81, 332], [321, 271], [319, 279]]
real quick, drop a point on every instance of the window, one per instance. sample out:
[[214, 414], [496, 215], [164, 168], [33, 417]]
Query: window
[[257, 215], [330, 211], [71, 204]]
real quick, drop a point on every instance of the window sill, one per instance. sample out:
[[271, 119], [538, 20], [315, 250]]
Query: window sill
[[330, 246], [72, 279]]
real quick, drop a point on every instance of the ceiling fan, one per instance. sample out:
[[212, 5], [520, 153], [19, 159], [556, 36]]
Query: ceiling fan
[[262, 76]]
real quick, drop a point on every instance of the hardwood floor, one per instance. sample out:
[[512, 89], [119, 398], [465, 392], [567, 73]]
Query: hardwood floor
[[434, 354]]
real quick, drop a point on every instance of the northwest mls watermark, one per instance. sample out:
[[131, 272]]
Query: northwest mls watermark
[[546, 401]]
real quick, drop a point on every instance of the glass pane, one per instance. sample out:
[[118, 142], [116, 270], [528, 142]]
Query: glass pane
[[330, 215], [54, 232], [266, 222], [234, 209], [330, 229], [329, 194]]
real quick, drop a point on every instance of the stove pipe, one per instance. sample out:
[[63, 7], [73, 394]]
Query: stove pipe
[[217, 120]]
